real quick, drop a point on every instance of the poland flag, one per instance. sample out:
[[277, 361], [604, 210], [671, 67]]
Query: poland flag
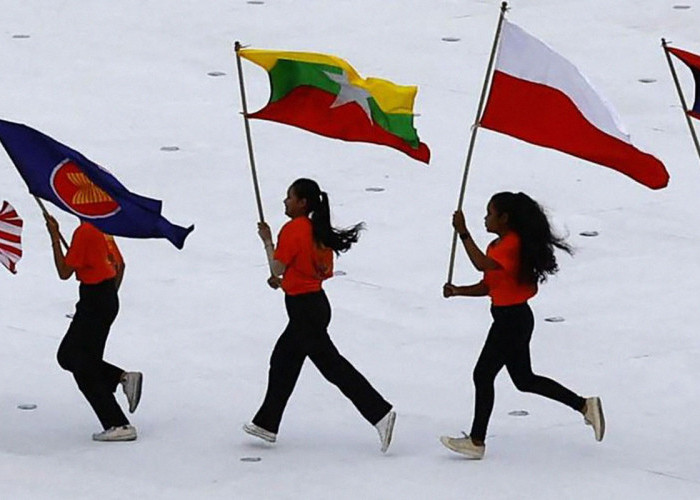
[[538, 96]]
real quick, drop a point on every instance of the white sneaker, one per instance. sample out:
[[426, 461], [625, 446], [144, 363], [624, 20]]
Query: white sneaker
[[131, 384], [259, 432], [120, 433], [465, 446], [385, 428], [593, 416]]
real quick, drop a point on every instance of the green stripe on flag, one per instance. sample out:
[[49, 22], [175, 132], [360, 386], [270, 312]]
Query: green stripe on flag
[[287, 75]]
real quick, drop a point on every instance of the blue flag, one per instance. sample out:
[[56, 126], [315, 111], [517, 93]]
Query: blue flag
[[73, 183]]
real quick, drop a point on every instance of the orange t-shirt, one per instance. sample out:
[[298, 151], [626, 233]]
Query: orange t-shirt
[[503, 285], [93, 254], [307, 265]]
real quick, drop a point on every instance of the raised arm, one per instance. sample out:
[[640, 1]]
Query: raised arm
[[478, 258], [63, 269]]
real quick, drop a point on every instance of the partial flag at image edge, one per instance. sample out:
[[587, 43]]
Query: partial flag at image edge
[[10, 237], [69, 180], [693, 62]]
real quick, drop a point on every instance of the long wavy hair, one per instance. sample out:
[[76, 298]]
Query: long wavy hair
[[537, 241], [318, 210]]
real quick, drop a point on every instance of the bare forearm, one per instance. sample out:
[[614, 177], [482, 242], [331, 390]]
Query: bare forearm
[[276, 267], [64, 271], [478, 258], [476, 290]]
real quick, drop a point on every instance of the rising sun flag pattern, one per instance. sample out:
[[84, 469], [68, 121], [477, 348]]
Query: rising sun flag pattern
[[10, 237], [324, 94], [693, 62], [72, 182]]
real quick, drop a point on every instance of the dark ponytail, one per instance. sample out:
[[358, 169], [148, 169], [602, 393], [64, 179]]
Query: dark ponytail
[[537, 241], [338, 240]]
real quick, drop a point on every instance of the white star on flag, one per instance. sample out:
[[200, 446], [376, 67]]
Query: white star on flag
[[350, 93]]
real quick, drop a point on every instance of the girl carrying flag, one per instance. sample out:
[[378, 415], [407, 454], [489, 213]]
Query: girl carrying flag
[[303, 259], [521, 257], [99, 267]]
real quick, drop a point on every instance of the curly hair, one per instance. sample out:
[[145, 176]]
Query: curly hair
[[537, 241]]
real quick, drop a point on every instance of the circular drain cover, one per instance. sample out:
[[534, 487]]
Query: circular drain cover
[[555, 319], [27, 406], [519, 413]]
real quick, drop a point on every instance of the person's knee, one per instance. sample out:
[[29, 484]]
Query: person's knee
[[524, 382], [482, 376]]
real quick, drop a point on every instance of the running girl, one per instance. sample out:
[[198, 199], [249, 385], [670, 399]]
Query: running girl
[[521, 257], [98, 265], [303, 259]]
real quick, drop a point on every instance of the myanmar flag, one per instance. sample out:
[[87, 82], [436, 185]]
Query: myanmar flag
[[325, 95]]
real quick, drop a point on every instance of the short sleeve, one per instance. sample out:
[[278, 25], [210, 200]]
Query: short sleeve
[[288, 244], [506, 253]]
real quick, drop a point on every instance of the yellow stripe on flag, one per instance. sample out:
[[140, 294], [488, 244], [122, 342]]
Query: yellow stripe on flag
[[391, 98]]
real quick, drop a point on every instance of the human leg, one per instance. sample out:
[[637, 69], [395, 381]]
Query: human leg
[[333, 366], [285, 365], [490, 362], [519, 324], [82, 348]]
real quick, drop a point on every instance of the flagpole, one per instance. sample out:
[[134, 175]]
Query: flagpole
[[251, 157], [46, 214], [680, 94], [475, 128]]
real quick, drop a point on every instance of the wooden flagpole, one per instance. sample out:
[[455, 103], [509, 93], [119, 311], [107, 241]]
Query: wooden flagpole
[[475, 128], [251, 157], [680, 94], [46, 212]]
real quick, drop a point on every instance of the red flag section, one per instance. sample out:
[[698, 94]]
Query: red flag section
[[540, 97]]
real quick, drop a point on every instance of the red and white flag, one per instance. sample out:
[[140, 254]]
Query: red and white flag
[[540, 97], [10, 237]]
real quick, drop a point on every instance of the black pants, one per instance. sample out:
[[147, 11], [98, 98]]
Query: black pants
[[508, 344], [306, 335], [83, 346]]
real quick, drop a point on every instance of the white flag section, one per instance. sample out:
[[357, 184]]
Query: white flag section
[[10, 237], [540, 97]]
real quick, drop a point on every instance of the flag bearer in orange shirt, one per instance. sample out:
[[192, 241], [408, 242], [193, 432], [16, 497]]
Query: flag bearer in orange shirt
[[99, 267], [303, 259], [521, 257]]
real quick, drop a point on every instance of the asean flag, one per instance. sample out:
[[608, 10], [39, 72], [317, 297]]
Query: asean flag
[[540, 97], [75, 184]]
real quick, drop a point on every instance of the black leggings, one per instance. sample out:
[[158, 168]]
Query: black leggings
[[83, 347], [508, 344], [306, 335]]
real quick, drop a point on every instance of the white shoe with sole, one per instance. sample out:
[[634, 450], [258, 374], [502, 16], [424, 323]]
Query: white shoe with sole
[[385, 428], [465, 446], [119, 433], [593, 416], [259, 432], [131, 384]]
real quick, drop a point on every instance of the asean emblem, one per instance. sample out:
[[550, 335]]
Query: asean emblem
[[79, 194]]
